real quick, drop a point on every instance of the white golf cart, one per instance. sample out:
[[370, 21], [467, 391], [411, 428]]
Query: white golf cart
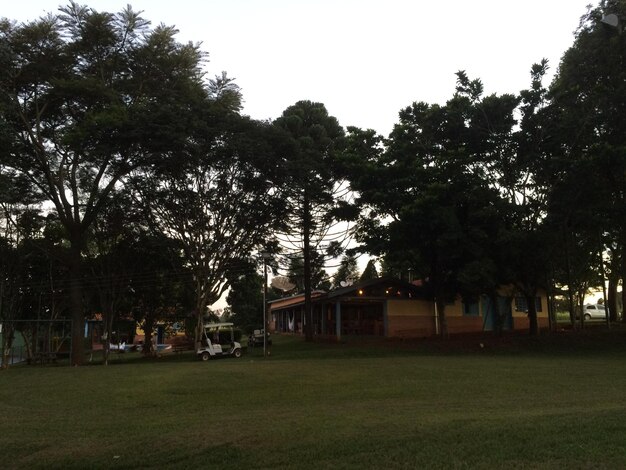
[[218, 341]]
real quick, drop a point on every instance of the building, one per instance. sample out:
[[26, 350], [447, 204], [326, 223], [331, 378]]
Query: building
[[391, 308]]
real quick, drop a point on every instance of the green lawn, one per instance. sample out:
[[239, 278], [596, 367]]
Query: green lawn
[[512, 403]]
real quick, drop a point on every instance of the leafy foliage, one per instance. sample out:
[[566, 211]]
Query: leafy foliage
[[219, 201], [85, 98], [347, 272]]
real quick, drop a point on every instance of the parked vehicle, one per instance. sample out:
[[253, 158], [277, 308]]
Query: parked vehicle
[[256, 339], [594, 312], [218, 341]]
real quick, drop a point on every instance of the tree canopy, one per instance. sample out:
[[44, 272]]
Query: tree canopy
[[89, 98]]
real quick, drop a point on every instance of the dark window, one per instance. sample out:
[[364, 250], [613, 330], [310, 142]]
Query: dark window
[[470, 309], [522, 306]]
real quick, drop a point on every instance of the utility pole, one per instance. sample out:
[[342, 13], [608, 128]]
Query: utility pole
[[265, 256]]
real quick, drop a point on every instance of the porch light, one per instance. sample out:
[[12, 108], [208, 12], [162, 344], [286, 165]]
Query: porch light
[[360, 291]]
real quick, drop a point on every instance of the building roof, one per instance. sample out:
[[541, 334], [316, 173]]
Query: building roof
[[368, 288], [373, 289], [294, 300]]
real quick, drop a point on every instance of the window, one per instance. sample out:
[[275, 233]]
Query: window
[[522, 306], [470, 309]]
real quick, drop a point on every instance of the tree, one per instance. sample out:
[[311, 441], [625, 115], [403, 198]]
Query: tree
[[10, 279], [131, 272], [219, 201], [245, 297], [318, 275], [313, 188], [347, 272], [425, 205], [109, 264], [370, 272], [160, 284], [575, 220], [588, 100], [85, 98], [10, 266], [32, 284]]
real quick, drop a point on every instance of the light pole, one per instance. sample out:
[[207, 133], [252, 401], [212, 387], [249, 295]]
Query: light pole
[[265, 255]]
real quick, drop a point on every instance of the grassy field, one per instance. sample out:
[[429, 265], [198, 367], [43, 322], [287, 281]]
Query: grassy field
[[472, 403]]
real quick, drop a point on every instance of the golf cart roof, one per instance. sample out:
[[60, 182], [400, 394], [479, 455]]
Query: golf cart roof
[[217, 325]]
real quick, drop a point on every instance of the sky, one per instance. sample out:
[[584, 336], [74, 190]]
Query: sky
[[364, 59]]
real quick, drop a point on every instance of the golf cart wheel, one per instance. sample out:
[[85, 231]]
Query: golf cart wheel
[[237, 352], [205, 356]]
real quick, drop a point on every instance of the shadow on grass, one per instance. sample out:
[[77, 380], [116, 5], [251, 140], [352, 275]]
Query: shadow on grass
[[595, 340]]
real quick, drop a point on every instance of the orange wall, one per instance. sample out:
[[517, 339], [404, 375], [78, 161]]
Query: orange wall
[[416, 318], [410, 318]]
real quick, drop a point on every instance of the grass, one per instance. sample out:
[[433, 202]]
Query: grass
[[515, 402]]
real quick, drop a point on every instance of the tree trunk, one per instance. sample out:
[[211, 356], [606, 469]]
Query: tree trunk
[[4, 364], [580, 307], [148, 327], [198, 330], [201, 306], [550, 300], [108, 327], [441, 317], [8, 335], [28, 345], [76, 303], [497, 314], [570, 291], [533, 324], [306, 235], [612, 296], [623, 274]]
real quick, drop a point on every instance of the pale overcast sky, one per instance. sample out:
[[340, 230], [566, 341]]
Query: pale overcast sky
[[364, 59]]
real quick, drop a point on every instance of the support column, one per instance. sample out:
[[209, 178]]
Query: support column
[[338, 320], [385, 320]]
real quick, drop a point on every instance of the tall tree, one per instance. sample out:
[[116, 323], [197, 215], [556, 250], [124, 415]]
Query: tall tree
[[311, 191], [318, 275], [28, 278], [347, 273], [130, 270], [423, 196], [160, 284], [245, 297], [85, 98], [220, 201], [370, 272], [588, 102]]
